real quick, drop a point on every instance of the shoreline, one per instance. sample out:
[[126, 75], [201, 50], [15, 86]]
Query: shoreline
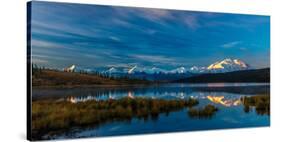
[[207, 84]]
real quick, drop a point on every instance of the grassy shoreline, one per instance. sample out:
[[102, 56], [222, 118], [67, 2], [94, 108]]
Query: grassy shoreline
[[49, 117]]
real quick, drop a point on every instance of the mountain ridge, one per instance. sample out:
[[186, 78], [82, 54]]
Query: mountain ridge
[[225, 65]]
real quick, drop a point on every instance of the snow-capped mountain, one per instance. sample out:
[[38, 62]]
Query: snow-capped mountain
[[226, 65], [136, 69], [154, 70], [148, 73], [132, 70], [147, 70], [179, 70], [112, 70], [196, 69]]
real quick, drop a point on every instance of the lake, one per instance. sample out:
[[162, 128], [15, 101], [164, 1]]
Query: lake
[[227, 97]]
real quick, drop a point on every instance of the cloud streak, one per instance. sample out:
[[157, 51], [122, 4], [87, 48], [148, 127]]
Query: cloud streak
[[231, 44]]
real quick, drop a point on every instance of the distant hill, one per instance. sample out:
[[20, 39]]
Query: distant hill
[[257, 75], [159, 77], [47, 77]]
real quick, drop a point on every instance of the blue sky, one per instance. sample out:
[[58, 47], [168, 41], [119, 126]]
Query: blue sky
[[94, 37]]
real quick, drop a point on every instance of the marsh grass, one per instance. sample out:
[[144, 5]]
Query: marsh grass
[[261, 104], [203, 113], [50, 117]]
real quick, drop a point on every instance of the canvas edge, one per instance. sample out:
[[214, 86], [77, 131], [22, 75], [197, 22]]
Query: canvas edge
[[28, 67]]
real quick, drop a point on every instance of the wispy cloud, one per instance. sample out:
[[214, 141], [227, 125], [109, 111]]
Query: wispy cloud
[[45, 44], [155, 15], [231, 44], [62, 29], [114, 38], [39, 61], [152, 58], [245, 22], [192, 22]]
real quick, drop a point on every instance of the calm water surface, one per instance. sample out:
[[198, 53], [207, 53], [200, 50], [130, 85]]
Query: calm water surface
[[227, 97]]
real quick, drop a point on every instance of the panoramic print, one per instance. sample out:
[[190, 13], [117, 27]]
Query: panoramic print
[[100, 71]]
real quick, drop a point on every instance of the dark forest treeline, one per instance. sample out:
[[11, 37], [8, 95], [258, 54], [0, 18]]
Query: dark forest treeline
[[258, 75]]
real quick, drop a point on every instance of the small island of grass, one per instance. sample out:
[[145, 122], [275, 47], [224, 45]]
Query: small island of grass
[[261, 104], [202, 113]]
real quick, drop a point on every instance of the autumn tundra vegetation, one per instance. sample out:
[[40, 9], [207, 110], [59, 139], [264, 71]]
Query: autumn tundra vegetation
[[50, 117]]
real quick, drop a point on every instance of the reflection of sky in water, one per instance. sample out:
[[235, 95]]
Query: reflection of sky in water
[[174, 90], [225, 99], [231, 112], [227, 94]]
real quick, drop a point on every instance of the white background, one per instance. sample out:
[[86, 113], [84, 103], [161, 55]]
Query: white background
[[13, 70]]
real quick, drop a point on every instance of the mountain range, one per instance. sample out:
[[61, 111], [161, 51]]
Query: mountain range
[[226, 65], [227, 70], [159, 74], [153, 70]]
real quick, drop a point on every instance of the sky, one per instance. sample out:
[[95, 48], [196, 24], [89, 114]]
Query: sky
[[96, 37]]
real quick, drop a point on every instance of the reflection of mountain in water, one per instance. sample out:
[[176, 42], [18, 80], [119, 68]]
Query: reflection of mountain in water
[[179, 91], [221, 100], [78, 99]]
